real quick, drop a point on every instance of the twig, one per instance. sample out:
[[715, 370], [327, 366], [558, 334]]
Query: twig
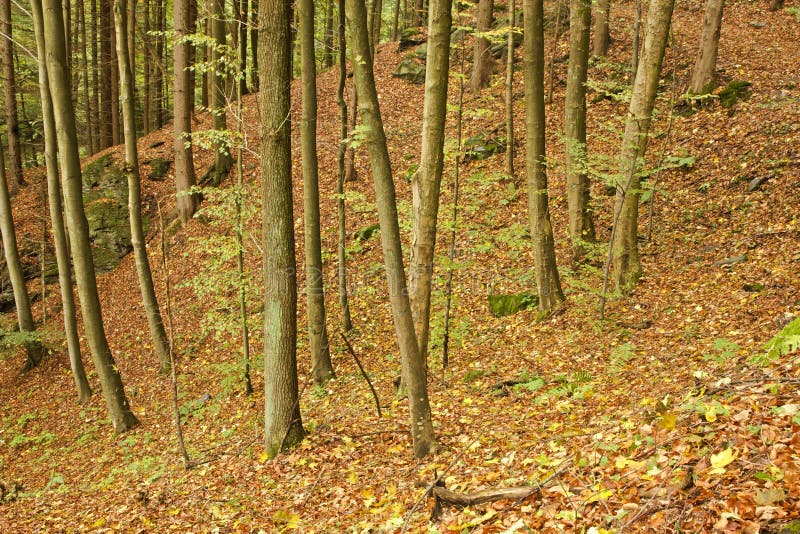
[[363, 372], [314, 486]]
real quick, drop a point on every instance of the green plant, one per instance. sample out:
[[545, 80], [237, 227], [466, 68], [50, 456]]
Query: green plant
[[621, 356], [784, 342], [724, 350]]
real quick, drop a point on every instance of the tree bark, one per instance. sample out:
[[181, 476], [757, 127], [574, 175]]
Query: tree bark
[[122, 418], [158, 333], [482, 62], [158, 75], [602, 35], [88, 112], [705, 69], [581, 226], [626, 264], [414, 368], [340, 202], [427, 181], [315, 294], [282, 421], [547, 280], [510, 92], [107, 106], [419, 13], [98, 123], [327, 46], [222, 155], [56, 216], [254, 81], [14, 177], [182, 121]]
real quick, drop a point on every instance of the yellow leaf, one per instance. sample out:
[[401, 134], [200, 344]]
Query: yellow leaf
[[720, 460], [99, 523], [667, 421], [711, 413]]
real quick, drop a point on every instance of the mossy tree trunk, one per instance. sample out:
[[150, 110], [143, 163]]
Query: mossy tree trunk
[[56, 216], [427, 181], [315, 293], [282, 422], [414, 371], [627, 267], [547, 280], [705, 69], [122, 418]]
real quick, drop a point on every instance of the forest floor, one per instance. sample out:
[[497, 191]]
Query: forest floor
[[664, 417]]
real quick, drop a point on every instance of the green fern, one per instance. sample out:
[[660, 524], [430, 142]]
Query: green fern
[[785, 342]]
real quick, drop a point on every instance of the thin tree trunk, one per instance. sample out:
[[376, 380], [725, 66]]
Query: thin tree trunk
[[419, 13], [241, 44], [377, 22], [327, 46], [283, 424], [158, 333], [427, 181], [547, 280], [158, 75], [88, 112], [602, 35], [510, 93], [14, 178], [315, 294], [106, 52], [413, 364], [122, 418], [147, 71], [56, 216], [116, 129], [350, 157], [182, 121], [637, 33], [482, 62], [222, 156], [581, 226], [705, 69], [254, 81], [340, 200], [98, 124], [625, 251]]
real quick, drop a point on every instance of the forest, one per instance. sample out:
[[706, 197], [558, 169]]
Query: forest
[[400, 266]]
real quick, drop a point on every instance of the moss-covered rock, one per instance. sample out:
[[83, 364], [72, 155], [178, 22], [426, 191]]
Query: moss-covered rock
[[411, 69], [731, 93], [158, 169]]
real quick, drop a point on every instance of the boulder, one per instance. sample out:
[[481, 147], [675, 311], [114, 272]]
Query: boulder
[[411, 69]]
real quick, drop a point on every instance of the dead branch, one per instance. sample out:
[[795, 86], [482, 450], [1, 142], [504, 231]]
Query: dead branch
[[363, 372]]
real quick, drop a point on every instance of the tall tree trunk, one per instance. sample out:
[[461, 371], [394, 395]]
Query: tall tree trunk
[[254, 44], [637, 34], [427, 181], [327, 46], [222, 155], [625, 252], [158, 75], [705, 69], [107, 106], [415, 374], [510, 92], [241, 43], [395, 18], [14, 178], [55, 205], [377, 20], [340, 179], [315, 294], [547, 281], [147, 111], [419, 13], [581, 226], [88, 112], [482, 60], [122, 418], [182, 121], [283, 424], [158, 333], [602, 35]]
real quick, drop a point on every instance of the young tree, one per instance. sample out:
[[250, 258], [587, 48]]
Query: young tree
[[602, 35], [547, 281], [122, 418], [182, 122], [625, 252], [414, 371], [341, 174], [581, 226], [14, 177], [283, 425], [705, 69], [56, 216], [222, 155], [158, 333], [510, 92], [315, 293], [427, 181], [482, 60]]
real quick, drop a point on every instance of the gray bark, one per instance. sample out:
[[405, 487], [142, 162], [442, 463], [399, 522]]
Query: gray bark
[[14, 178], [182, 121]]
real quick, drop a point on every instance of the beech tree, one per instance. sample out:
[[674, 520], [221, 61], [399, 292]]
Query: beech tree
[[427, 181], [14, 177], [581, 226], [283, 426], [315, 293], [602, 34], [56, 216], [341, 253], [705, 69], [510, 92], [122, 418], [182, 121], [222, 155], [482, 60], [626, 264], [548, 283], [414, 371]]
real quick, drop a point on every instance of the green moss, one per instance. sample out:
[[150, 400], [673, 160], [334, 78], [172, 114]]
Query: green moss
[[502, 305], [732, 92]]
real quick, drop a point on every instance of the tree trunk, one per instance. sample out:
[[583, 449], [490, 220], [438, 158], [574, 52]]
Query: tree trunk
[[241, 44], [637, 39], [414, 367], [705, 69], [419, 13], [510, 92], [602, 35], [350, 157], [282, 422], [98, 111], [327, 46], [254, 45], [122, 418], [14, 178], [56, 217], [158, 333], [340, 179], [482, 62], [546, 271], [427, 181], [147, 110], [107, 106], [395, 19], [625, 253], [315, 294], [377, 21], [182, 121], [158, 75], [222, 155], [88, 111], [581, 226]]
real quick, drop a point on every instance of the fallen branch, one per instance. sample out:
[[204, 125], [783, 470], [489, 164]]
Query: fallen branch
[[363, 372]]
